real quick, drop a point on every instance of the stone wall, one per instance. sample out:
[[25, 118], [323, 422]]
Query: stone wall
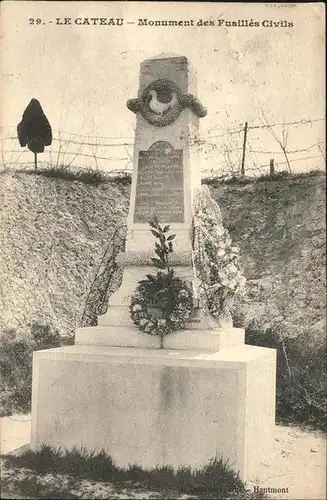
[[54, 233], [279, 226]]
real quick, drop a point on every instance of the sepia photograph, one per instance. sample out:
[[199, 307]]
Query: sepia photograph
[[162, 250]]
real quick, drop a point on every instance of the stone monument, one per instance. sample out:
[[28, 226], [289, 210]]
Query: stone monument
[[205, 394]]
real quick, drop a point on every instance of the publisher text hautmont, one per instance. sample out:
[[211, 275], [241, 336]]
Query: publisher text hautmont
[[257, 489]]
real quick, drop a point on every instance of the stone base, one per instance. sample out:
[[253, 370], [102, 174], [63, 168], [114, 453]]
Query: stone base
[[156, 407], [192, 340]]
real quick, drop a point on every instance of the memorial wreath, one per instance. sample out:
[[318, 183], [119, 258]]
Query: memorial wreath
[[217, 260], [162, 102], [169, 297]]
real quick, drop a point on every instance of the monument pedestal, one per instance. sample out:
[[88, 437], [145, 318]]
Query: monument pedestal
[[157, 407], [204, 394]]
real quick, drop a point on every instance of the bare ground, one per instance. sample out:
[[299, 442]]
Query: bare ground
[[296, 462]]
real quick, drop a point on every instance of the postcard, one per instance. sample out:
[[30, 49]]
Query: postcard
[[162, 272]]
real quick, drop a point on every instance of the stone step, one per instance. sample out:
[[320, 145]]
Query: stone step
[[120, 315], [199, 340]]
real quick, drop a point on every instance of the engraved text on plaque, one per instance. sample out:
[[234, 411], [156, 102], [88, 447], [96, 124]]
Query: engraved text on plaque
[[160, 184]]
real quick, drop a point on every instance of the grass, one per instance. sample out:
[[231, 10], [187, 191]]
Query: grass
[[277, 176], [215, 480], [16, 357], [86, 175], [122, 178], [301, 377]]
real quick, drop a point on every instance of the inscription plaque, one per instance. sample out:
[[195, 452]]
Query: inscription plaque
[[160, 184]]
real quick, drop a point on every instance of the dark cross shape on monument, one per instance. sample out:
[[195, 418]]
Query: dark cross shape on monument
[[34, 131]]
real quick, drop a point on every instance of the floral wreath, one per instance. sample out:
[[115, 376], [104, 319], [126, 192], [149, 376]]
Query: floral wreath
[[169, 320], [170, 115], [173, 295], [217, 260]]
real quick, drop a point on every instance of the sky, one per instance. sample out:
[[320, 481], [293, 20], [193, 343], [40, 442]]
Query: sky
[[84, 74]]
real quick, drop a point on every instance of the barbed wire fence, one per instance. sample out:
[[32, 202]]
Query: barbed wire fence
[[225, 152]]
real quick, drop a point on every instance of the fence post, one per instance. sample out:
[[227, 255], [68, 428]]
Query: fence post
[[272, 166], [244, 148], [322, 154]]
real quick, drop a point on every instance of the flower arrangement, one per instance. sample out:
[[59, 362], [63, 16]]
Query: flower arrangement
[[170, 297], [216, 259]]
